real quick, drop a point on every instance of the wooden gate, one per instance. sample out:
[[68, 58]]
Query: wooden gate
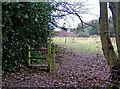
[[48, 57]]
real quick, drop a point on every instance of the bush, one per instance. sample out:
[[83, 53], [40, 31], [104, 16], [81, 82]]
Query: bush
[[23, 23]]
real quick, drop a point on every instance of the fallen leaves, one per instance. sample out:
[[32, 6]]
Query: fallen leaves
[[72, 70]]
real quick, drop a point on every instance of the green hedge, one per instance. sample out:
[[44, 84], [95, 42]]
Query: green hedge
[[23, 23]]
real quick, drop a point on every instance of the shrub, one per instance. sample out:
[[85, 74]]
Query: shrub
[[23, 23]]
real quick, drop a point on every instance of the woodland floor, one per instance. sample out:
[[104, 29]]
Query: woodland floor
[[72, 70]]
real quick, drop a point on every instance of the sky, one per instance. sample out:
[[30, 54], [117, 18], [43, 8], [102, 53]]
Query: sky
[[93, 7], [93, 13]]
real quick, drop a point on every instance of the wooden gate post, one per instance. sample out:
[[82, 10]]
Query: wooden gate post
[[53, 59], [28, 49], [49, 52]]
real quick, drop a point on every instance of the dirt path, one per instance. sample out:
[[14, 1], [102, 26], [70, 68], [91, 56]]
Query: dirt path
[[72, 70]]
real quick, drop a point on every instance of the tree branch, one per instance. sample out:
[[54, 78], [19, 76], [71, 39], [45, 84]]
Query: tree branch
[[58, 26], [75, 13]]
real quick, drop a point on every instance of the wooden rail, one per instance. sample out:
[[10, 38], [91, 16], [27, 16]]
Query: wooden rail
[[50, 58]]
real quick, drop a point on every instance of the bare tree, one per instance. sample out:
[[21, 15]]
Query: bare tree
[[112, 58], [115, 8]]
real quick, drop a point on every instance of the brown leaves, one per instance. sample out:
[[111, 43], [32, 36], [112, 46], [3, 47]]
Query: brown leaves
[[72, 69]]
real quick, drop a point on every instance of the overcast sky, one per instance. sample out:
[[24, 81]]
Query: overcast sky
[[93, 13], [93, 7]]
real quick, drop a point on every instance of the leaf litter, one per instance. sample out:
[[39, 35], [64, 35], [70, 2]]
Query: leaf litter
[[73, 69]]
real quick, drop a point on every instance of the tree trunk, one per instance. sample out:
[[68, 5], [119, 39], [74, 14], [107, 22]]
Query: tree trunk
[[115, 8], [118, 31], [107, 46]]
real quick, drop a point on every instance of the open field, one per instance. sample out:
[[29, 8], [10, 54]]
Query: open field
[[90, 44]]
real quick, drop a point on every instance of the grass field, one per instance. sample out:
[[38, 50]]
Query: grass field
[[90, 44]]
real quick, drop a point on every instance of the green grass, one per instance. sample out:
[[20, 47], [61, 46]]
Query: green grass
[[90, 44]]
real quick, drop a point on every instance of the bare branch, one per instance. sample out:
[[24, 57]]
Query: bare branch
[[65, 9], [59, 26]]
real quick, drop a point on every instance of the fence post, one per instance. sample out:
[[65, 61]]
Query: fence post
[[53, 59], [29, 55], [49, 52]]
